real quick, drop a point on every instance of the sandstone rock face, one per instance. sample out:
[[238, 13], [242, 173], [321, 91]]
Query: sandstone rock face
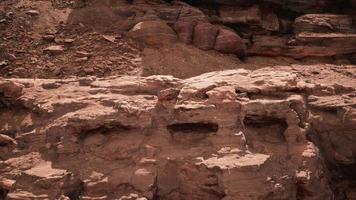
[[205, 35], [188, 12], [219, 135], [231, 14], [304, 45], [153, 33], [241, 131], [228, 41], [185, 30], [270, 21], [323, 23]]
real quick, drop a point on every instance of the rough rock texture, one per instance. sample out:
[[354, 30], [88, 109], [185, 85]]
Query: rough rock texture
[[228, 41], [110, 99], [56, 39], [323, 23], [231, 14], [273, 28], [155, 33], [304, 45], [219, 135], [205, 35], [185, 30]]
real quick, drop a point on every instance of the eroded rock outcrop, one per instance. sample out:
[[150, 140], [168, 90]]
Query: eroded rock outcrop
[[219, 135], [153, 33]]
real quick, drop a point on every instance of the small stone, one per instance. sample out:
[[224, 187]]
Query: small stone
[[81, 59], [33, 12], [55, 49], [303, 176], [86, 81], [10, 56], [109, 38], [148, 161], [57, 71], [50, 86], [49, 38], [9, 14], [20, 71], [292, 42], [68, 41], [142, 172], [6, 140], [4, 63], [83, 53], [6, 183]]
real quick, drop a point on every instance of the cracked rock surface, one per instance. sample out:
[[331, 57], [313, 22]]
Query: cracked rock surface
[[233, 134]]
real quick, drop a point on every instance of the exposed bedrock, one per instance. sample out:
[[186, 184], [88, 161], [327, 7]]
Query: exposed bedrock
[[293, 28], [219, 135]]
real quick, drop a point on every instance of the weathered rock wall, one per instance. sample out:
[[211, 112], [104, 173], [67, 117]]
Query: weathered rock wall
[[234, 134]]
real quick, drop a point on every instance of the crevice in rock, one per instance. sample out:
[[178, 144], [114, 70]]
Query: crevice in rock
[[104, 129], [302, 192], [76, 192], [200, 127], [3, 193], [341, 177], [279, 126]]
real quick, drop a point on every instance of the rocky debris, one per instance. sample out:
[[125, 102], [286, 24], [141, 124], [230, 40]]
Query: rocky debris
[[33, 12], [24, 39], [48, 37], [109, 38], [217, 135], [54, 50], [4, 63], [81, 29], [10, 89], [6, 140]]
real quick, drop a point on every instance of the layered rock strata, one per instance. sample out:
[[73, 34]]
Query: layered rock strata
[[234, 134]]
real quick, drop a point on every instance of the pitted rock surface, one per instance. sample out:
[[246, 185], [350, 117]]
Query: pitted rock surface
[[219, 135]]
